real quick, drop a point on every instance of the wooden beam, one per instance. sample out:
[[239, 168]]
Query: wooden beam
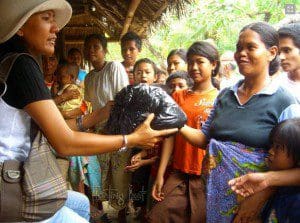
[[130, 14], [156, 15], [105, 12], [88, 27], [80, 41]]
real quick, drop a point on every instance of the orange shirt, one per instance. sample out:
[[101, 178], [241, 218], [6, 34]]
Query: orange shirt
[[197, 106]]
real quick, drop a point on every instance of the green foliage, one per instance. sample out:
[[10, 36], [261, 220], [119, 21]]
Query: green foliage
[[220, 20]]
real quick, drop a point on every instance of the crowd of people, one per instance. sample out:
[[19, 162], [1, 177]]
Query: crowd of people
[[237, 159]]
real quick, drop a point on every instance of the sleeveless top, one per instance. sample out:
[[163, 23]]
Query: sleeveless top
[[14, 133]]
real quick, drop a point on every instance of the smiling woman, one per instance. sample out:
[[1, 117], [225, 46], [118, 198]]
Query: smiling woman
[[30, 27], [238, 111]]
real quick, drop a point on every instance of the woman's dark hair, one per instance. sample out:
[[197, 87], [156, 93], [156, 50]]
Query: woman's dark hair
[[14, 44], [269, 36], [207, 50], [100, 37], [182, 75], [145, 60], [287, 133], [291, 31], [132, 36], [179, 52]]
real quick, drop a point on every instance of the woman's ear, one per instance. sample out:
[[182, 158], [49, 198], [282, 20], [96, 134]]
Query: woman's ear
[[273, 51]]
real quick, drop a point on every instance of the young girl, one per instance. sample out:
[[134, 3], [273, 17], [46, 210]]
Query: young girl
[[283, 155], [180, 200], [176, 60]]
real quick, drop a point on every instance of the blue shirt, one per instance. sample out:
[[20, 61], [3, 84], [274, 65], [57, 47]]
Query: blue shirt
[[284, 207], [81, 75]]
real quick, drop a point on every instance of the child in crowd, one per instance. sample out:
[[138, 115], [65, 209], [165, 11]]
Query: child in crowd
[[179, 80], [49, 67], [161, 76], [131, 46], [83, 170], [283, 155], [179, 199], [66, 76], [144, 72], [74, 56], [101, 86], [176, 60]]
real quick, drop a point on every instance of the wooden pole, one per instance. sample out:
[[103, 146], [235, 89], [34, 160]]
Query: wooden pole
[[155, 16], [130, 14]]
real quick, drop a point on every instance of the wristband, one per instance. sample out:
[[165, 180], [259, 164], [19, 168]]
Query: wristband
[[124, 144], [79, 123]]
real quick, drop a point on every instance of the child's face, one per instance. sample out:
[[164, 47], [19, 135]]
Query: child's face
[[177, 84], [64, 77], [278, 158], [94, 51], [175, 63], [129, 52], [161, 78], [200, 68], [144, 73], [49, 65], [75, 58]]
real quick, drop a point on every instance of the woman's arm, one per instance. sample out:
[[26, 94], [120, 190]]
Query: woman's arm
[[194, 136], [70, 143]]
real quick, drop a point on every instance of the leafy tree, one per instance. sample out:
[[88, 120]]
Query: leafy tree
[[219, 20]]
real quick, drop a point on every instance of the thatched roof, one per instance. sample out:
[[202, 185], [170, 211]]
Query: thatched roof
[[114, 18]]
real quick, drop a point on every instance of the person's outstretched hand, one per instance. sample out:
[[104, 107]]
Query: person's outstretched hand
[[145, 137], [249, 184]]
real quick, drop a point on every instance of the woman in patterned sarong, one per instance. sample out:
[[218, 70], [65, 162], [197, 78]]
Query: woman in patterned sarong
[[237, 129]]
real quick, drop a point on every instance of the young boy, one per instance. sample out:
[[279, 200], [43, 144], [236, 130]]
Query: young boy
[[131, 46], [179, 80]]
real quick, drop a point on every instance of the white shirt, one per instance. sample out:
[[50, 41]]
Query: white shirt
[[102, 86], [292, 86]]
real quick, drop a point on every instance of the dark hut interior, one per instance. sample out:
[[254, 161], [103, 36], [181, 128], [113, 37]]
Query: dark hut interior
[[113, 18]]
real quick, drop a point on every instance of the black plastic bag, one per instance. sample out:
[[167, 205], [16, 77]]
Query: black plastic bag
[[135, 102]]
